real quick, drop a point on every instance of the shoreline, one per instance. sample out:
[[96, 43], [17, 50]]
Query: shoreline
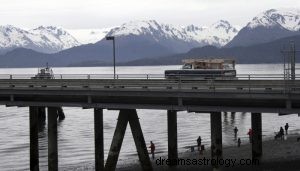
[[277, 155]]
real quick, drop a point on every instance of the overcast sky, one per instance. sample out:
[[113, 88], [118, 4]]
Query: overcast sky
[[84, 14]]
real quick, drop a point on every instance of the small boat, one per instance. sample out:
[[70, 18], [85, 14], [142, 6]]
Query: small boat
[[44, 73], [198, 69]]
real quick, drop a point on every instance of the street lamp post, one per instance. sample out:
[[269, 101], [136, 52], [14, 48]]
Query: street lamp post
[[114, 52]]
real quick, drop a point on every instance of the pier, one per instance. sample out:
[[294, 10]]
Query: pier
[[255, 94]]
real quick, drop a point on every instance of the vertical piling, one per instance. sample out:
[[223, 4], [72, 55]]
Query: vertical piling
[[256, 125], [117, 141], [34, 142], [52, 139], [99, 141], [139, 139], [172, 136], [216, 136]]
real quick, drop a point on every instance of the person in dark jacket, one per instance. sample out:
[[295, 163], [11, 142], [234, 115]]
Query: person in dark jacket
[[152, 148], [281, 132], [235, 130], [199, 143], [239, 142], [286, 127]]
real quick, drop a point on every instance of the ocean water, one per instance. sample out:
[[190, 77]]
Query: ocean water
[[76, 135]]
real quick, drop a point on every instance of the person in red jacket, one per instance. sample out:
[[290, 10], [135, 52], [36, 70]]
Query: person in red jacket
[[152, 148], [250, 133]]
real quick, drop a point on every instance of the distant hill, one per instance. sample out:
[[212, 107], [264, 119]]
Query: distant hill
[[24, 58], [260, 53]]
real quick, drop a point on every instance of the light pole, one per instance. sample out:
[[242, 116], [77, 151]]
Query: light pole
[[114, 52]]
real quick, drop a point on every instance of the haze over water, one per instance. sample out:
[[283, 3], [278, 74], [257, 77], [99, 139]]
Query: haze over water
[[76, 132]]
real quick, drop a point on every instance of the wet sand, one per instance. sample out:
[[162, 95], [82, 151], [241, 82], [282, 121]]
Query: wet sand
[[277, 155]]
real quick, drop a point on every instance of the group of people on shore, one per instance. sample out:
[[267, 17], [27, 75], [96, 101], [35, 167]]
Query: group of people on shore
[[280, 134]]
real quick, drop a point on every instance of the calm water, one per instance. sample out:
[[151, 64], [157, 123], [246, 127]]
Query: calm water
[[76, 136]]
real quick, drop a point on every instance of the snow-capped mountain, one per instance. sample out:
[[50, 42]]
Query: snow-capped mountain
[[43, 39], [218, 34], [286, 18], [56, 38], [86, 36], [268, 26]]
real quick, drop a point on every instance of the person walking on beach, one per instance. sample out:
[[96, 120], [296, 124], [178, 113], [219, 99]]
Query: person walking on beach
[[239, 142], [152, 149], [286, 127], [199, 143], [250, 133], [235, 130], [281, 132]]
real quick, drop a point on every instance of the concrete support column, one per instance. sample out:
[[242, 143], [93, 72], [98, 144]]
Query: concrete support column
[[216, 135], [99, 141], [117, 141], [52, 139], [34, 142], [257, 135], [172, 136], [139, 139]]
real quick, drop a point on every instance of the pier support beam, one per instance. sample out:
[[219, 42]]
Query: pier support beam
[[256, 125], [34, 142], [52, 139], [125, 116], [99, 141], [172, 136], [216, 135]]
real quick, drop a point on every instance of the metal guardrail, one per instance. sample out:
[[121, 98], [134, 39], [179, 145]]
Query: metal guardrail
[[210, 86], [153, 76], [243, 83]]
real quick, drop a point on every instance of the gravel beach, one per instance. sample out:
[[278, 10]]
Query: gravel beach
[[277, 155]]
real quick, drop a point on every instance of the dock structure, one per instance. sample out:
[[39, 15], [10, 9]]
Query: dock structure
[[126, 95]]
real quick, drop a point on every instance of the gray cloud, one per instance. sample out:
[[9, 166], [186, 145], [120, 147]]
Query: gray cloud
[[105, 13]]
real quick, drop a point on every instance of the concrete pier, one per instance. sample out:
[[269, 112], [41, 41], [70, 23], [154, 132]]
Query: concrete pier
[[52, 139], [256, 125], [125, 116], [99, 141], [34, 142], [172, 136], [216, 135]]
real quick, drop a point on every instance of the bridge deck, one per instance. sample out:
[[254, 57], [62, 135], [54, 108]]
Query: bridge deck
[[278, 96]]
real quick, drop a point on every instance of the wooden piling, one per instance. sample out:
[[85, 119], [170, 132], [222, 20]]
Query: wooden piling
[[99, 141], [139, 140], [216, 136], [34, 142], [52, 139], [125, 116], [172, 136], [117, 141], [256, 125]]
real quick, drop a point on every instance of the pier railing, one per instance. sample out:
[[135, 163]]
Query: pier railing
[[255, 83], [155, 76]]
